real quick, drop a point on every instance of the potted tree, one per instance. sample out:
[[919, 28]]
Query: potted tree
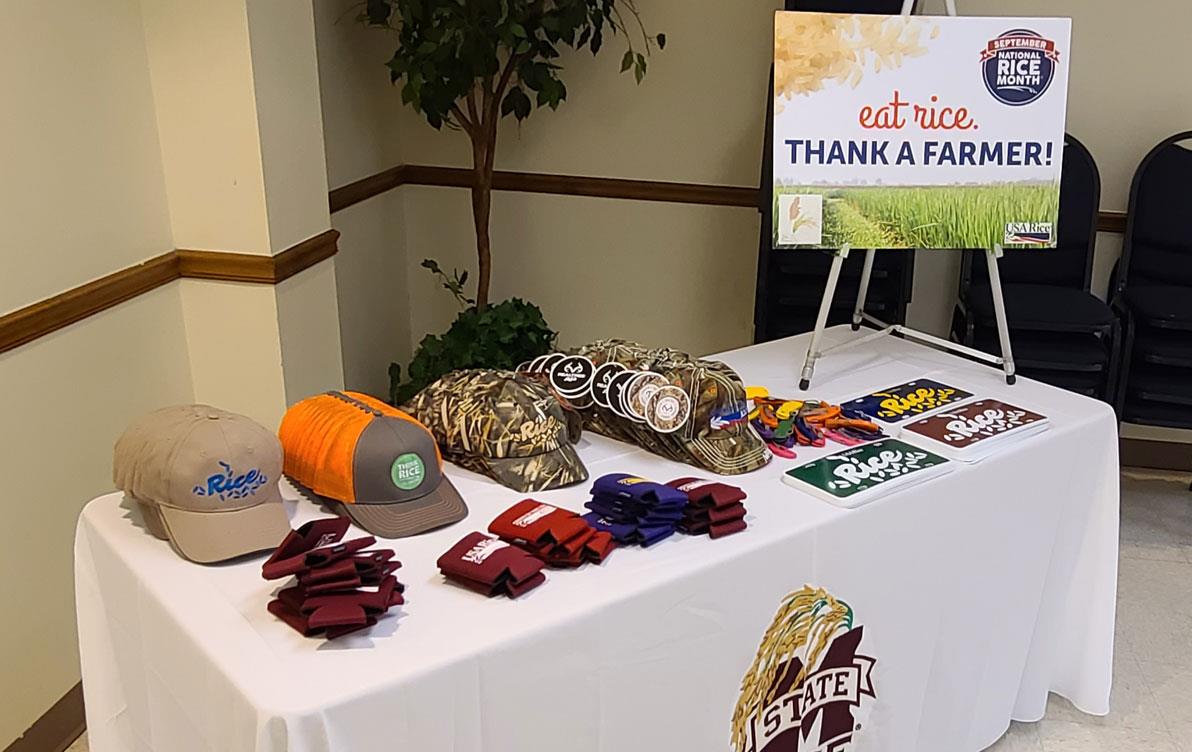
[[464, 65]]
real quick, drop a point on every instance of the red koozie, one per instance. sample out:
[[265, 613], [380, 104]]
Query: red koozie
[[534, 522]]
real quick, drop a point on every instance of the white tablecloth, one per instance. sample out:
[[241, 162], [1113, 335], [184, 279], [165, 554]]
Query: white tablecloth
[[979, 592]]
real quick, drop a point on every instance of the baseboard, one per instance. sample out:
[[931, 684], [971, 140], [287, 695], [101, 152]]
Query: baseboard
[[1159, 455], [58, 728]]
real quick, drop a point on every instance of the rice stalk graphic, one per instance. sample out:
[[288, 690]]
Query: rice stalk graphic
[[807, 621]]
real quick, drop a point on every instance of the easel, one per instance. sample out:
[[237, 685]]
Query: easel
[[1006, 361]]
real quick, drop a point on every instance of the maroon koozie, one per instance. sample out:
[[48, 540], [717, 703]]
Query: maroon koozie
[[726, 528], [374, 602], [314, 559], [312, 535], [302, 623], [366, 568], [717, 515], [486, 562], [707, 493]]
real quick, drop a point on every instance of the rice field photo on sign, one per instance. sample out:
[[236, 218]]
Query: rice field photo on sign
[[923, 216], [917, 131]]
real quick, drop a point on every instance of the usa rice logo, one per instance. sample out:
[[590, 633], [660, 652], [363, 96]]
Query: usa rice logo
[[1028, 233], [1018, 66]]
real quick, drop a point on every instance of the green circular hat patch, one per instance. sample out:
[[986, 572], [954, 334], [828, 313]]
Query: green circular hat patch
[[408, 471]]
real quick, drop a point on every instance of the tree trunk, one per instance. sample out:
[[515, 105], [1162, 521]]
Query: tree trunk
[[483, 146]]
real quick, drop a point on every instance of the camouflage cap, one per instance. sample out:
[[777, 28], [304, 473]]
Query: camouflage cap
[[717, 436], [503, 425]]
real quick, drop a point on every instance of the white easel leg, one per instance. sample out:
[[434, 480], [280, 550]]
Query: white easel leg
[[999, 312], [863, 289], [821, 320]]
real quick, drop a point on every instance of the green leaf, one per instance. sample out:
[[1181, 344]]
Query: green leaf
[[518, 30], [627, 60], [661, 39], [516, 102]]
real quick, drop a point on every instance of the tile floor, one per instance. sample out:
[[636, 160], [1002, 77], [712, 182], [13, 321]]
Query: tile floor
[[1152, 691]]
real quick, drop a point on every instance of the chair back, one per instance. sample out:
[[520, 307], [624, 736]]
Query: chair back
[[1070, 263], [1158, 246]]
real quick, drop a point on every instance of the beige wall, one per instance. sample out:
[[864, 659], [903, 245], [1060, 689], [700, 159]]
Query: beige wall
[[83, 195], [133, 128], [360, 124], [82, 182], [698, 117], [201, 68], [65, 399]]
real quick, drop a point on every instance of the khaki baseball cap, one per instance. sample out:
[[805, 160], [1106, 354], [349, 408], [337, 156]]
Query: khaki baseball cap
[[375, 464], [205, 480]]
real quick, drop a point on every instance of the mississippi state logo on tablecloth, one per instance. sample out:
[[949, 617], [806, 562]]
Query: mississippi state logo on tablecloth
[[809, 681]]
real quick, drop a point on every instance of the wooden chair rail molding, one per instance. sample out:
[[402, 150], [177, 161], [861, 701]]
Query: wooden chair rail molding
[[578, 185], [31, 322], [39, 319]]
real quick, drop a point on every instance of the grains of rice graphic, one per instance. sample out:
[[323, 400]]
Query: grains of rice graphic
[[812, 49]]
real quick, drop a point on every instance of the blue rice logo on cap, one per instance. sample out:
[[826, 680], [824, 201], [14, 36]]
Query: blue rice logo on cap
[[1018, 66]]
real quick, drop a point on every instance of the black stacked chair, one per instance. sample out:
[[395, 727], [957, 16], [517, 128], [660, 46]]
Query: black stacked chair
[[1060, 333], [1154, 290], [790, 283]]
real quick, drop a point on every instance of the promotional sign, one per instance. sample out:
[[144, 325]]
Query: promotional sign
[[917, 131]]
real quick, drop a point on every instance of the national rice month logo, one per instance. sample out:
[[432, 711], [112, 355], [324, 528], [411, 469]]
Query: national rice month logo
[[808, 682], [1018, 66]]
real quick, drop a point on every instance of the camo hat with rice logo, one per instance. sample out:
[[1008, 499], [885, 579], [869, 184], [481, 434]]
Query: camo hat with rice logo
[[503, 425], [706, 424]]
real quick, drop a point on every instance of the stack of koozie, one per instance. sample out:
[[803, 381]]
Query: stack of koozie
[[713, 508], [492, 566], [558, 536], [635, 510], [338, 587]]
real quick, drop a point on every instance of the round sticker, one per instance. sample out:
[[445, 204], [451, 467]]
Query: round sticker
[[523, 366], [616, 392], [548, 362], [623, 403], [572, 376], [535, 364], [637, 394], [1018, 66], [600, 380], [407, 471], [669, 409]]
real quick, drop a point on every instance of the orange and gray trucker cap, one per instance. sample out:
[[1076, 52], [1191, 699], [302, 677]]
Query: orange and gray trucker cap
[[375, 464], [205, 480]]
